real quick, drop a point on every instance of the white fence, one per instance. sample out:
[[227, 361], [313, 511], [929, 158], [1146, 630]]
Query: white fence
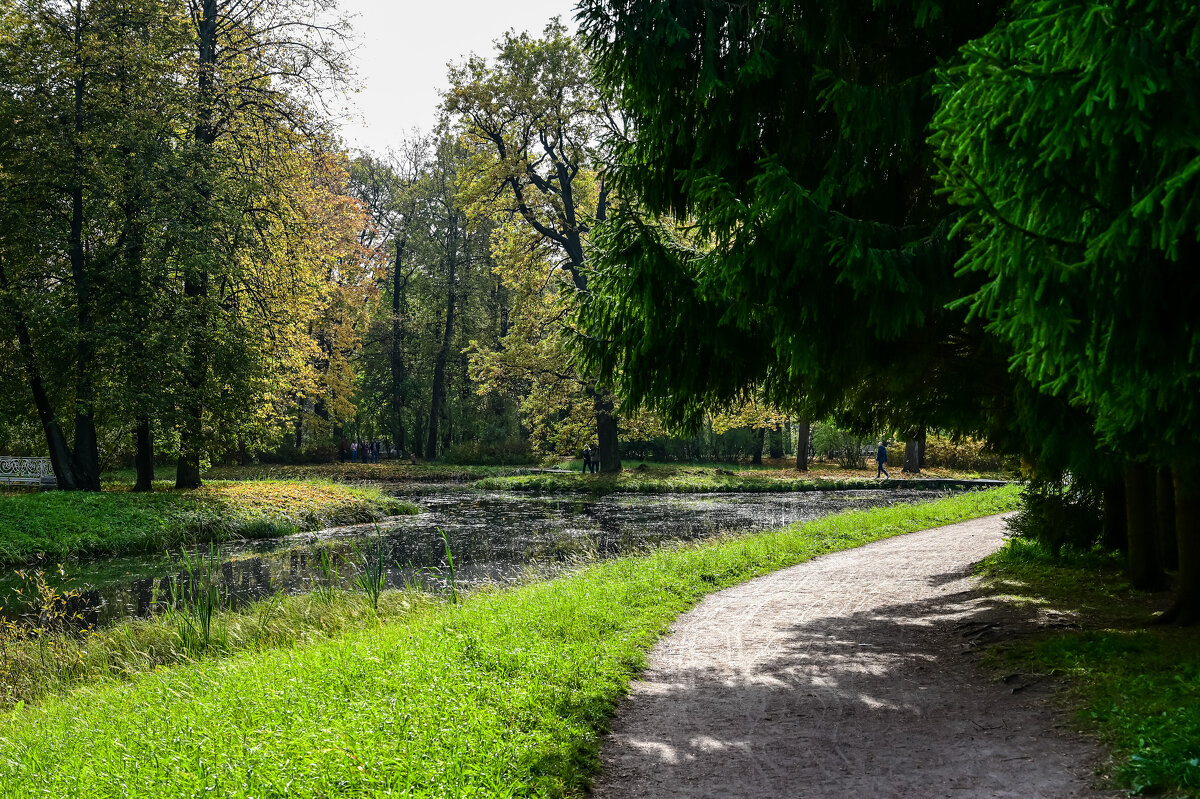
[[26, 471]]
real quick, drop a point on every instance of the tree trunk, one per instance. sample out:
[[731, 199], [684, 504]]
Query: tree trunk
[[437, 407], [61, 459], [1145, 560], [396, 350], [1186, 485], [1115, 535], [1165, 505], [777, 442], [195, 280], [606, 433], [922, 436], [803, 429], [144, 458], [87, 453], [761, 435], [912, 453]]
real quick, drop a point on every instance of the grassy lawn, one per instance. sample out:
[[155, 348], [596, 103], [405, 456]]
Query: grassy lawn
[[503, 694], [62, 524], [386, 471], [661, 478], [1138, 686], [566, 476]]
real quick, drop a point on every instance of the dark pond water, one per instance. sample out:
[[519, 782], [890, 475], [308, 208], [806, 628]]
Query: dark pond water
[[494, 537]]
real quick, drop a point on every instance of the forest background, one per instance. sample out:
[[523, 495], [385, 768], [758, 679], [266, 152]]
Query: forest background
[[195, 270]]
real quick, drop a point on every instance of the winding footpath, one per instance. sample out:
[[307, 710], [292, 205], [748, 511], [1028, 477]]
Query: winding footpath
[[847, 676]]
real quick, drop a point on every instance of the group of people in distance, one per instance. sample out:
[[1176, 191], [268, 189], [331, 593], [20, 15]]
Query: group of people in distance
[[591, 461], [359, 451]]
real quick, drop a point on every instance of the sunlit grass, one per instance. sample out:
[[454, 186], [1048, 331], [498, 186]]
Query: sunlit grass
[[61, 524], [660, 478], [505, 693], [1137, 685]]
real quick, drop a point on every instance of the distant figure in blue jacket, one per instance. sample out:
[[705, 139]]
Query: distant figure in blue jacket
[[880, 460]]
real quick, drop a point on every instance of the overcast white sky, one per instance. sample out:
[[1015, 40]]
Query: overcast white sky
[[403, 48]]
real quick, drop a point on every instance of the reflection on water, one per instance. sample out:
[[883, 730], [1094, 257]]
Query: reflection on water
[[494, 537]]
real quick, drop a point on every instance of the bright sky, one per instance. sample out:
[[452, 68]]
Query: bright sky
[[403, 49]]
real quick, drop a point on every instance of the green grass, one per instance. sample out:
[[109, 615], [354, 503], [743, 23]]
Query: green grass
[[504, 694], [62, 524], [386, 471], [1138, 686]]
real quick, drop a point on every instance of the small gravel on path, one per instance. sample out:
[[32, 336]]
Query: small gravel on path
[[848, 676]]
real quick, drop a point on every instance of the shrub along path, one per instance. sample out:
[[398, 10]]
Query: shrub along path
[[849, 675]]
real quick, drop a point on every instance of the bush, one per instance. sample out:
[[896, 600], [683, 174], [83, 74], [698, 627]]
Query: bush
[[515, 452], [964, 455], [846, 448], [1061, 514]]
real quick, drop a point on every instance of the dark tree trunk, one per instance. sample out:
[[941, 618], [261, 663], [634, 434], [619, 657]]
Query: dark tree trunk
[[777, 442], [761, 435], [803, 429], [1165, 504], [1115, 535], [912, 453], [195, 280], [1186, 485], [143, 458], [437, 408], [606, 433], [396, 350], [1145, 560], [922, 437], [61, 459], [87, 452]]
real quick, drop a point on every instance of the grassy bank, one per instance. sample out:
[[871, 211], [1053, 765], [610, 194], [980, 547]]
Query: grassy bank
[[504, 694], [62, 524], [1137, 686], [701, 478], [384, 472]]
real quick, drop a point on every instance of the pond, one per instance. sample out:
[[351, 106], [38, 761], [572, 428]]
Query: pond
[[494, 538]]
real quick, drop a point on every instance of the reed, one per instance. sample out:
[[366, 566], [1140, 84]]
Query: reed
[[195, 602], [373, 570]]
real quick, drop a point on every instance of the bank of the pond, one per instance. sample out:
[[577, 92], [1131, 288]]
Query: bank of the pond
[[714, 480], [504, 694], [59, 524], [1136, 685]]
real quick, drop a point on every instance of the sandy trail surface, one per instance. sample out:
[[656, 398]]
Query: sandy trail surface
[[848, 676]]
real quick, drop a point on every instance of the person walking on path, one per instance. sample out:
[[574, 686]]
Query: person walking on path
[[880, 460], [354, 452], [849, 675], [587, 460]]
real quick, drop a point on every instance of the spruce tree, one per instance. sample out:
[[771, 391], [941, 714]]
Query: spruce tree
[[780, 227], [1072, 134]]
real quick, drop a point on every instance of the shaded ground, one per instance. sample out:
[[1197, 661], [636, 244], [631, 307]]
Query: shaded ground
[[850, 675]]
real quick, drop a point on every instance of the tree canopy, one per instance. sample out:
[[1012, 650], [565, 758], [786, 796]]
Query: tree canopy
[[780, 225]]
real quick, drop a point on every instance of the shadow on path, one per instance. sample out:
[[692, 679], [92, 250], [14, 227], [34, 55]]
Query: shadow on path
[[846, 676]]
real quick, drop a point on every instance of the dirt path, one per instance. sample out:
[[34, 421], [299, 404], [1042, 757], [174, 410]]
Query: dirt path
[[848, 676]]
